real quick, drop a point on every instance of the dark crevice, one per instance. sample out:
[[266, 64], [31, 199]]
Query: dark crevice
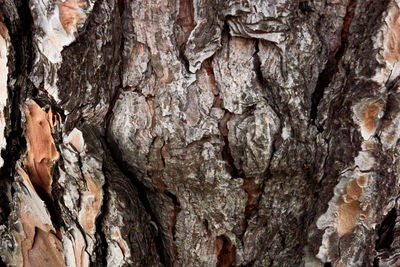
[[208, 67], [183, 26], [305, 7], [376, 262], [257, 64], [19, 28], [218, 102], [163, 160], [142, 195], [254, 192], [207, 226], [226, 252], [177, 209], [250, 264], [118, 89], [283, 239], [332, 66], [34, 237], [140, 187], [227, 157], [325, 174], [102, 246], [392, 85], [226, 150], [268, 94], [52, 208], [386, 231], [121, 8], [109, 114], [226, 29], [47, 103]]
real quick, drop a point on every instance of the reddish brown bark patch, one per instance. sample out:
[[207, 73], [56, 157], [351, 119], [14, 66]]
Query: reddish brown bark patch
[[348, 213], [362, 181], [186, 15], [41, 149], [393, 47], [39, 244], [3, 29], [91, 207], [206, 78], [46, 250], [253, 193], [371, 115], [70, 14], [226, 252], [349, 206]]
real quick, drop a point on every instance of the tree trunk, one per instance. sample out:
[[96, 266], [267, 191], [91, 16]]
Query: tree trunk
[[199, 133]]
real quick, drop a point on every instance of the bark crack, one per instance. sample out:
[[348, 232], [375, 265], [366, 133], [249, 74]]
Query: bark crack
[[183, 26], [177, 209], [142, 195], [19, 27], [226, 252], [226, 150], [102, 246], [332, 66], [267, 93], [386, 231]]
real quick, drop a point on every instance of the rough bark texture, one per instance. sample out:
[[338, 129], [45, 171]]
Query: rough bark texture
[[199, 133]]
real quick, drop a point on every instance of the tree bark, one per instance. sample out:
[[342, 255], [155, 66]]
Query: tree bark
[[199, 133]]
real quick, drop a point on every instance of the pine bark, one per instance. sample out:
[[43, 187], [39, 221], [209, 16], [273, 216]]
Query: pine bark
[[199, 133]]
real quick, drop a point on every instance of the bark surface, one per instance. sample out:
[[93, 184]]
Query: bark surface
[[199, 133]]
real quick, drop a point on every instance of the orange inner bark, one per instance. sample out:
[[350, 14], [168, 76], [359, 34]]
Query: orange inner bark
[[71, 14], [41, 149]]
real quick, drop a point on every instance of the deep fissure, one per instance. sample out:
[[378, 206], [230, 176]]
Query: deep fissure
[[332, 66]]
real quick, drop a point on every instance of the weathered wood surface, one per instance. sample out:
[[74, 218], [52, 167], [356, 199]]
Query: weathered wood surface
[[199, 133]]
